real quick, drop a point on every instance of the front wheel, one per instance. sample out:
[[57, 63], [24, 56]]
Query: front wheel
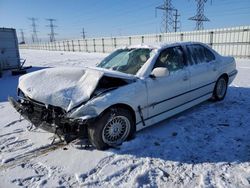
[[112, 128], [220, 89]]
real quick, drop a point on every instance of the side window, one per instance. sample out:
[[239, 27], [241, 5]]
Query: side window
[[192, 59], [171, 58], [199, 54], [209, 55], [189, 56]]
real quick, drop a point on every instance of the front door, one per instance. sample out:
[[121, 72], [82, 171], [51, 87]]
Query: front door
[[167, 93]]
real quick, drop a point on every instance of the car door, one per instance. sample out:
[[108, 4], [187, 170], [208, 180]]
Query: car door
[[167, 93], [203, 69]]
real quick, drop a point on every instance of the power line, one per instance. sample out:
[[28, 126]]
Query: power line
[[176, 21], [170, 19], [83, 34], [22, 36], [116, 12], [167, 19], [200, 17], [52, 29], [34, 30]]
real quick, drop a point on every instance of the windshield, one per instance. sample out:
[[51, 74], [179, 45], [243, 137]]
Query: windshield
[[126, 60]]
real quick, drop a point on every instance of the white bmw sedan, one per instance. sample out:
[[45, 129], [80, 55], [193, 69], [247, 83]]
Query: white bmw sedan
[[132, 88]]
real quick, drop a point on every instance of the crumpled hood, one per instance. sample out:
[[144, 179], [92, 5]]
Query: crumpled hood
[[65, 87]]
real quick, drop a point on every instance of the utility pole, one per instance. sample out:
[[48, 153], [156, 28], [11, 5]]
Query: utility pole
[[176, 20], [83, 33], [167, 19], [200, 17], [52, 29], [34, 30], [22, 36]]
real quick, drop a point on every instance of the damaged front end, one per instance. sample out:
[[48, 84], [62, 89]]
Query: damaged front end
[[65, 109], [50, 118]]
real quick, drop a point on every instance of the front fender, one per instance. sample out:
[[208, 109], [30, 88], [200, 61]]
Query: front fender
[[133, 95]]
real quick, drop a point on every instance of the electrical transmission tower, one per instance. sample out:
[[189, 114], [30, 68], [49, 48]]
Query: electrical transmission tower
[[83, 34], [200, 17], [52, 29], [22, 36], [34, 30], [169, 20], [176, 20]]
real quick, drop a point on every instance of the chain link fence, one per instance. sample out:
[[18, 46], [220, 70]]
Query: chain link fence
[[227, 41]]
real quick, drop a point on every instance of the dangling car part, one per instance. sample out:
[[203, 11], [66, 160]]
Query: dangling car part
[[49, 118], [132, 88]]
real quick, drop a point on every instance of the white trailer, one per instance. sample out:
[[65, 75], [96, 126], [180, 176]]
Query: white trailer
[[9, 52]]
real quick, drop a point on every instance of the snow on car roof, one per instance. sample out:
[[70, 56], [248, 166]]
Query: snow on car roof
[[158, 45]]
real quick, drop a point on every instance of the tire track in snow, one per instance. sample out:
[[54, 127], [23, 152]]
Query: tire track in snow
[[6, 141], [15, 145], [41, 174], [14, 122], [22, 158], [11, 133], [83, 178], [115, 171]]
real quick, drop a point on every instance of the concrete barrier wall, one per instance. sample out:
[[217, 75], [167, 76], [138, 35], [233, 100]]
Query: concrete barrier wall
[[227, 41]]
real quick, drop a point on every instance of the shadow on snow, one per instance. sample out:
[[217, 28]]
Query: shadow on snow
[[210, 132]]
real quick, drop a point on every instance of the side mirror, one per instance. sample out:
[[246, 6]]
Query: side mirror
[[159, 72]]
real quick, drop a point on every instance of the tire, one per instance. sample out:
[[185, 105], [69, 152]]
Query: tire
[[113, 127], [220, 89]]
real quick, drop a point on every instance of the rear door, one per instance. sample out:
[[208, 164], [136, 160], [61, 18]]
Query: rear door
[[203, 69]]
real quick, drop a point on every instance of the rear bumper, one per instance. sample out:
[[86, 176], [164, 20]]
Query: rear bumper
[[232, 76]]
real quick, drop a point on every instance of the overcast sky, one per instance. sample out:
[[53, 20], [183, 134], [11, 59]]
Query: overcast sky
[[114, 17]]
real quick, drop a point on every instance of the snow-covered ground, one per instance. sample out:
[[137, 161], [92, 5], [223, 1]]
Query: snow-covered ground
[[206, 146]]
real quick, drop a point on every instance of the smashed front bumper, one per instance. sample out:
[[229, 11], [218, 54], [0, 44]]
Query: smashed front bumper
[[50, 118]]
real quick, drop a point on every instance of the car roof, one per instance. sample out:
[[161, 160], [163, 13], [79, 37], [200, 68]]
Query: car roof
[[158, 46]]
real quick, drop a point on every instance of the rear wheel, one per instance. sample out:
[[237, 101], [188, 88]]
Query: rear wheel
[[220, 89], [112, 128]]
